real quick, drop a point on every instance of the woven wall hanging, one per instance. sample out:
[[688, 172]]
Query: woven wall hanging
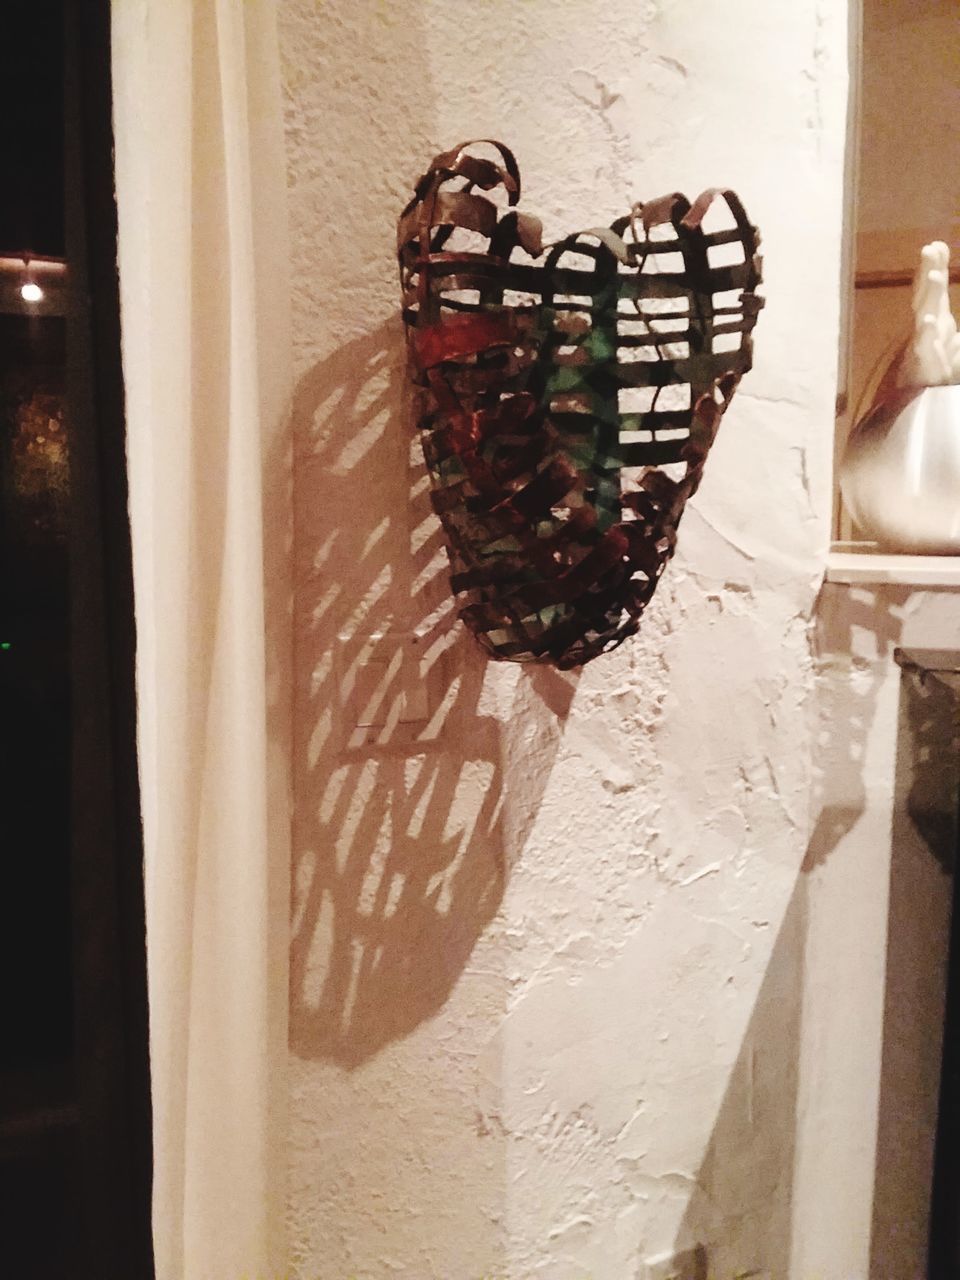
[[568, 394]]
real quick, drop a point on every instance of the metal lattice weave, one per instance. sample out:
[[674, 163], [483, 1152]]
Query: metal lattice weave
[[569, 394]]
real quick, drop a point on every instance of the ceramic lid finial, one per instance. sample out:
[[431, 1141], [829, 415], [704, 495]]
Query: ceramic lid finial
[[933, 357]]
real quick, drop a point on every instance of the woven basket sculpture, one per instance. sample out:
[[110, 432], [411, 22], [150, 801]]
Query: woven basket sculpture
[[569, 394]]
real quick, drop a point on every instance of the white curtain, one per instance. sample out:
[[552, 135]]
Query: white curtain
[[204, 296]]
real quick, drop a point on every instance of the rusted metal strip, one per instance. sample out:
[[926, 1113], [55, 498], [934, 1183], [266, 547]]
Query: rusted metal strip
[[553, 394]]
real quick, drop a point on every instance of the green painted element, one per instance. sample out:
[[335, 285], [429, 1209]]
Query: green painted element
[[600, 345], [567, 377]]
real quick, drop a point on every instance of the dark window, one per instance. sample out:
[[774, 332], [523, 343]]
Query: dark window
[[74, 1084]]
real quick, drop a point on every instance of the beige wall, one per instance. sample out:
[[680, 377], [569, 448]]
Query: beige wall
[[910, 102], [550, 1010]]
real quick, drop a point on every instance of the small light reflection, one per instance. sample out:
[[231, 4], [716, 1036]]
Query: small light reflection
[[31, 292]]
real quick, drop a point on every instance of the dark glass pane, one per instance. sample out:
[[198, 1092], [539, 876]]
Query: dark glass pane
[[75, 1156], [31, 127], [35, 936]]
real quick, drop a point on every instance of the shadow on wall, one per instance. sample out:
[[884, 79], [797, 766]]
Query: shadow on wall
[[399, 861], [848, 705], [740, 1206], [924, 840], [927, 765]]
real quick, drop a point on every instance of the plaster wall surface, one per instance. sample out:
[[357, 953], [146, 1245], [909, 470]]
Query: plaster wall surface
[[878, 885], [879, 889], [548, 957]]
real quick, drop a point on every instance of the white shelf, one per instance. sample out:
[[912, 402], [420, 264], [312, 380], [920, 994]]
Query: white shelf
[[856, 568]]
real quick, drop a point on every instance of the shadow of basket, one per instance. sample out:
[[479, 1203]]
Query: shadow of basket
[[399, 850]]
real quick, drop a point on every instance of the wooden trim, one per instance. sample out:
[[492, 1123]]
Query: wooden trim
[[893, 279]]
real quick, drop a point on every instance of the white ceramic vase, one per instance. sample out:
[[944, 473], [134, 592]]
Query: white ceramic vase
[[900, 475]]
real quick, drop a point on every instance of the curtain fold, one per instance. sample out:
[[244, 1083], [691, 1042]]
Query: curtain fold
[[200, 176]]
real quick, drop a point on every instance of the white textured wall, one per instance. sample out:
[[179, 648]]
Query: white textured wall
[[878, 896], [548, 954]]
